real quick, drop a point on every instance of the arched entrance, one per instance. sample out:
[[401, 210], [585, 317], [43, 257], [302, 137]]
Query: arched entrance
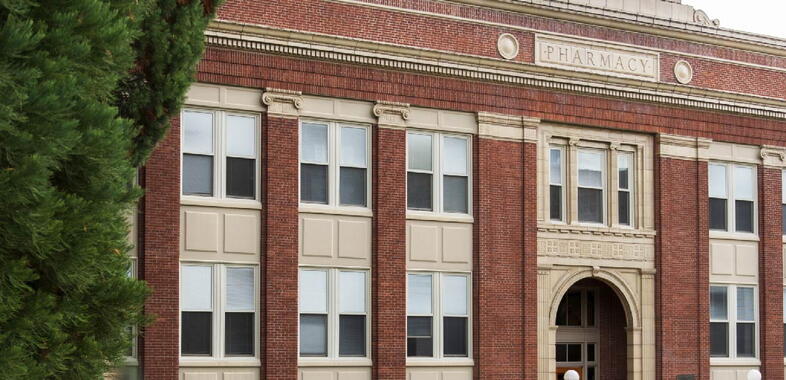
[[591, 332]]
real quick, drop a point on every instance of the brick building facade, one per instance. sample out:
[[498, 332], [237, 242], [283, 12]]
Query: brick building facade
[[464, 189]]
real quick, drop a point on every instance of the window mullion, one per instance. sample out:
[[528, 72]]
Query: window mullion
[[437, 172], [437, 315], [612, 184], [218, 310], [220, 157]]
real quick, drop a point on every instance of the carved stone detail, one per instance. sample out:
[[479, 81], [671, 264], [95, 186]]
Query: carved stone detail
[[282, 103], [773, 156], [391, 114], [593, 249], [507, 46], [683, 72], [700, 17], [684, 147]]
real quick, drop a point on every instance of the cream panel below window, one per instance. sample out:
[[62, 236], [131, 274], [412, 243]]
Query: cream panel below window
[[334, 240], [730, 373], [334, 373], [784, 264], [732, 261], [219, 373], [212, 233], [208, 95], [436, 373], [439, 245]]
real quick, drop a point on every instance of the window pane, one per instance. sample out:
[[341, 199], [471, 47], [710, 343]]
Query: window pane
[[454, 295], [555, 202], [718, 218], [590, 205], [624, 207], [783, 218], [313, 335], [419, 151], [314, 145], [418, 294], [455, 155], [313, 183], [719, 339], [198, 132], [590, 352], [352, 335], [562, 353], [717, 181], [353, 186], [196, 288], [718, 302], [455, 194], [352, 292], [746, 340], [419, 191], [745, 304], [743, 215], [197, 174], [590, 373], [744, 183], [574, 352], [240, 289], [590, 308], [590, 168], [353, 147], [555, 166], [455, 336], [241, 139], [313, 291], [241, 177], [419, 337], [196, 333], [624, 161], [239, 334], [574, 309]]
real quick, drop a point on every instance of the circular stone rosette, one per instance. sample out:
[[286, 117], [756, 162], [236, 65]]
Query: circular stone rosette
[[507, 46], [683, 72]]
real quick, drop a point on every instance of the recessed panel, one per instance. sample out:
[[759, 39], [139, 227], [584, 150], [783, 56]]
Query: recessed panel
[[241, 234], [201, 231], [423, 243], [722, 256], [457, 244], [354, 239], [317, 237]]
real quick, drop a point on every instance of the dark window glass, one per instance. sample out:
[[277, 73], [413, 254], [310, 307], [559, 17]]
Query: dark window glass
[[419, 191], [590, 352], [746, 340], [197, 174], [719, 339], [744, 216], [419, 338], [590, 308], [313, 335], [241, 177], [590, 373], [314, 183], [196, 333], [555, 202], [562, 353], [783, 220], [590, 205], [455, 339], [718, 214], [352, 186], [574, 352], [352, 335], [569, 310], [624, 207], [239, 333], [455, 194]]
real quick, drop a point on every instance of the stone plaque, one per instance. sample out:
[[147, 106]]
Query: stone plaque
[[597, 57], [686, 377]]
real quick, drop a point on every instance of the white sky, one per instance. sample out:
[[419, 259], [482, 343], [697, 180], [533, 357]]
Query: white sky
[[756, 16]]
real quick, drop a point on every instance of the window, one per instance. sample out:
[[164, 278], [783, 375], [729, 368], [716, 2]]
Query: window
[[438, 315], [334, 164], [576, 356], [218, 310], [438, 169], [624, 188], [577, 308], [733, 321], [783, 201], [591, 165], [221, 145], [732, 196], [556, 184], [333, 313]]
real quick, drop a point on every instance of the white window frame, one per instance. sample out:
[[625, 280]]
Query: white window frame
[[604, 170], [731, 320], [563, 185], [334, 165], [731, 198], [218, 295], [437, 315], [631, 190], [333, 314], [133, 359], [220, 155], [783, 203], [437, 172]]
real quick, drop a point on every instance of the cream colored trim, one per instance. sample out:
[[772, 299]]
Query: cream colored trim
[[391, 115], [684, 147], [347, 211], [282, 103], [224, 97], [191, 200], [507, 127], [773, 157], [336, 109], [433, 217], [738, 153], [468, 362], [442, 120], [186, 363], [322, 362]]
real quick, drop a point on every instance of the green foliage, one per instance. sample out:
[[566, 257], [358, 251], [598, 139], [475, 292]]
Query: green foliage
[[66, 301]]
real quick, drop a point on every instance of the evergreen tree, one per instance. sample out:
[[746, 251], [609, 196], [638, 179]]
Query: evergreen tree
[[73, 126]]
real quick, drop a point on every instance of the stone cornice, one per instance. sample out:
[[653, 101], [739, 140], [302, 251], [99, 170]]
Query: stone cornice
[[773, 157], [684, 147], [391, 114], [339, 49], [282, 103], [507, 127]]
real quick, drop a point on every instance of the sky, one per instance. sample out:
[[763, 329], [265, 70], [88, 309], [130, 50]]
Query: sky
[[756, 16]]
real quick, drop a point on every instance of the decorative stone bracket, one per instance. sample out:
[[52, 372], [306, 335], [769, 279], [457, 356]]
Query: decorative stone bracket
[[282, 103], [507, 127], [391, 114], [684, 147], [773, 156]]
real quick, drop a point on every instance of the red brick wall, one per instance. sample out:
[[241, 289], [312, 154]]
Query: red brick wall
[[389, 266], [280, 198], [159, 263], [681, 256], [770, 274], [613, 344], [530, 269], [498, 260]]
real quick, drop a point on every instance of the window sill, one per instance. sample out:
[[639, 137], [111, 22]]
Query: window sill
[[220, 202], [594, 229], [323, 209], [225, 362], [741, 362], [444, 217], [133, 362], [733, 235], [328, 362], [445, 362]]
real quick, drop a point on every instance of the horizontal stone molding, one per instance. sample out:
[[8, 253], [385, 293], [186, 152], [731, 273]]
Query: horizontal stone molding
[[684, 147], [596, 249], [773, 157], [282, 103], [507, 127]]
